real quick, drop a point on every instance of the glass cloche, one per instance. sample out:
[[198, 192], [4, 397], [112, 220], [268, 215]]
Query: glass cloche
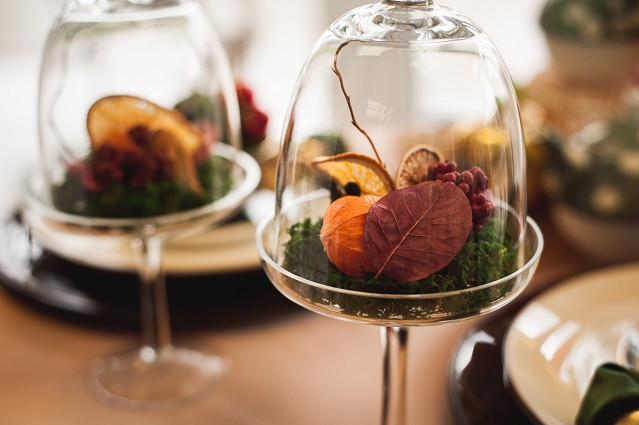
[[152, 64], [401, 183], [139, 140]]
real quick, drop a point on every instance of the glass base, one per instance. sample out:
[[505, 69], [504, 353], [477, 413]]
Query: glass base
[[149, 378]]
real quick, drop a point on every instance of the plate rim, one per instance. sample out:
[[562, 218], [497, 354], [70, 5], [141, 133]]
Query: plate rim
[[567, 285]]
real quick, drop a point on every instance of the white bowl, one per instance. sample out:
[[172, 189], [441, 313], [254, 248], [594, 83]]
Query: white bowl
[[599, 239], [605, 62]]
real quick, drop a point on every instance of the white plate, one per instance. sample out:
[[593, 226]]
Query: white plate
[[229, 247], [608, 240], [558, 339]]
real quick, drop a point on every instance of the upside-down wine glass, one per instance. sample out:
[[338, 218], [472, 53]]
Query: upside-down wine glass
[[401, 182], [139, 141]]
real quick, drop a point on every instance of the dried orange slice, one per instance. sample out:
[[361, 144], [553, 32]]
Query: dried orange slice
[[181, 164], [414, 165], [134, 124], [111, 119], [369, 175]]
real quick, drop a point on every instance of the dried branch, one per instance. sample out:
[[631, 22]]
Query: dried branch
[[348, 100]]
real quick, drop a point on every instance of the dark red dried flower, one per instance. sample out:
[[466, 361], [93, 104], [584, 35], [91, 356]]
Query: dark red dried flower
[[254, 120]]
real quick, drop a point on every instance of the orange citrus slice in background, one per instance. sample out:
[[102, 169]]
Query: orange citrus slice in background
[[414, 165], [111, 119], [489, 138], [369, 175]]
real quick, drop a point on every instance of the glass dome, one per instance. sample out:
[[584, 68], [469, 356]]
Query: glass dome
[[139, 137], [409, 107], [116, 65], [400, 188]]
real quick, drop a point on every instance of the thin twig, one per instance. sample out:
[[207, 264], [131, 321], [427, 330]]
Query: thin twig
[[348, 101]]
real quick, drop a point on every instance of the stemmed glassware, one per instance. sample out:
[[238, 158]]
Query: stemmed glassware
[[139, 141], [401, 182]]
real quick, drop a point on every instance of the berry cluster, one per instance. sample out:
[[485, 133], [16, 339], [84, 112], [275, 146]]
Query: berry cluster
[[129, 168], [473, 183], [110, 164]]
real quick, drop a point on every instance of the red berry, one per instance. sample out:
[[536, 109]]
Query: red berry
[[479, 199], [468, 178], [487, 207], [140, 134], [449, 177], [89, 181]]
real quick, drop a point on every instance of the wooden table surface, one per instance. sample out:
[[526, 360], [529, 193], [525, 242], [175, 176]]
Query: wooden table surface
[[289, 366]]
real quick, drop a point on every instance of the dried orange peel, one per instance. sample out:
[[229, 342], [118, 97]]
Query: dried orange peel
[[112, 120], [414, 165], [369, 175]]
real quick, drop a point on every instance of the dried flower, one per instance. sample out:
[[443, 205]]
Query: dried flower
[[254, 121]]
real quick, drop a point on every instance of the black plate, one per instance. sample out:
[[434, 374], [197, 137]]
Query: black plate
[[48, 281]]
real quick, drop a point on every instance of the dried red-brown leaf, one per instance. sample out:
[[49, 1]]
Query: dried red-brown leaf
[[342, 234], [414, 232]]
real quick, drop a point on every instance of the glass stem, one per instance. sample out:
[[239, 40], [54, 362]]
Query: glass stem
[[394, 341], [154, 311]]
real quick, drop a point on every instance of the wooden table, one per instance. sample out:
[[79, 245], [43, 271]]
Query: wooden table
[[289, 366]]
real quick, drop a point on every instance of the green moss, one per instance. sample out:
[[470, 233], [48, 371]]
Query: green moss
[[163, 197], [480, 261], [484, 258], [199, 107]]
